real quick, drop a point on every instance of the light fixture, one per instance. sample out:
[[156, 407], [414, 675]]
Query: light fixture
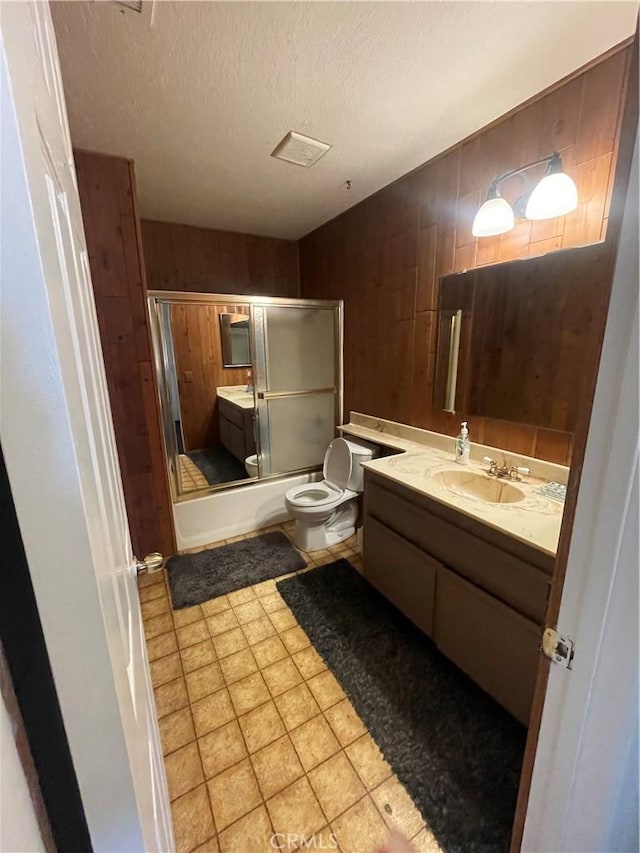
[[494, 217], [555, 195]]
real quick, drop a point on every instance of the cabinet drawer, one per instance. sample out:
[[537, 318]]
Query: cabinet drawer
[[493, 644], [232, 438], [401, 572], [499, 572], [230, 412]]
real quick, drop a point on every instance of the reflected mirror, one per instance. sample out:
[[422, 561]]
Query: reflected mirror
[[234, 334], [517, 341]]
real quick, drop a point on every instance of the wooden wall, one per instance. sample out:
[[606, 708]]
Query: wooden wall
[[107, 197], [385, 256], [200, 369], [181, 257]]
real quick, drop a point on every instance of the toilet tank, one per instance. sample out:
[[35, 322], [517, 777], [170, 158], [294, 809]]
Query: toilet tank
[[343, 460]]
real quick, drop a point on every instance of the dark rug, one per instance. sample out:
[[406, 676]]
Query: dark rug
[[194, 578], [218, 465], [457, 751]]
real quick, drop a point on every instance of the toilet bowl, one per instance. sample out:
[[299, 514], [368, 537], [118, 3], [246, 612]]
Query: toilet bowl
[[251, 465], [325, 513]]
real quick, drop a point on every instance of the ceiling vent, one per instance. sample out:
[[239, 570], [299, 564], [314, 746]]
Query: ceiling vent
[[133, 5], [299, 149]]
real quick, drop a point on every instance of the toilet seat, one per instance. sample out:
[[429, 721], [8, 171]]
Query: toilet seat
[[310, 496]]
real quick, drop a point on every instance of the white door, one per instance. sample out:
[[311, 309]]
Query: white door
[[57, 436]]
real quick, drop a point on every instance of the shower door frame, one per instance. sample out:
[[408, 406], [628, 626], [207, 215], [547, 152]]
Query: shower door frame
[[163, 360]]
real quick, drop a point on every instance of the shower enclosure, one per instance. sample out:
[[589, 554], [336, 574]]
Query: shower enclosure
[[250, 387]]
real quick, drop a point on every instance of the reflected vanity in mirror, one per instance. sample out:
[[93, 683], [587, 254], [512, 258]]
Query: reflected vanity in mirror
[[517, 341], [250, 387]]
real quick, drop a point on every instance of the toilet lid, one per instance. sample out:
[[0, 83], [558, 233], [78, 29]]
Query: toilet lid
[[337, 464]]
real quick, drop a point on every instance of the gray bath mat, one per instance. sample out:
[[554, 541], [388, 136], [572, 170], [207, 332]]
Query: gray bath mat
[[194, 578], [456, 751]]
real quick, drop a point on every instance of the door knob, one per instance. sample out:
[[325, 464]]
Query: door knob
[[151, 563]]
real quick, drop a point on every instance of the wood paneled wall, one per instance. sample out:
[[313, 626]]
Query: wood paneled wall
[[200, 369], [107, 196], [385, 256], [181, 257]]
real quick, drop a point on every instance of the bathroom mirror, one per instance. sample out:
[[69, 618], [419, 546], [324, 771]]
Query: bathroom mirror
[[239, 407], [517, 341], [234, 335]]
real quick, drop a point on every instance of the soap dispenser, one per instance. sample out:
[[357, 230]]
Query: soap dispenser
[[463, 445]]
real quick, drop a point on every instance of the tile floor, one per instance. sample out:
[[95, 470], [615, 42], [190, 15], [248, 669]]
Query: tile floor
[[258, 736], [191, 477]]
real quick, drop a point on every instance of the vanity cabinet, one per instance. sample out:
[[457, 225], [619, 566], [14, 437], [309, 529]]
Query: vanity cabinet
[[480, 594], [236, 429]]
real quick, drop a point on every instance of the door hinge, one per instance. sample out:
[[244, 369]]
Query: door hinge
[[557, 648]]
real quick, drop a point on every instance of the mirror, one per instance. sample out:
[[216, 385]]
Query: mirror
[[517, 341], [234, 334], [219, 430]]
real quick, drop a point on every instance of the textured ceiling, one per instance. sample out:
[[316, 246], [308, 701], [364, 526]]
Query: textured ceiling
[[199, 93]]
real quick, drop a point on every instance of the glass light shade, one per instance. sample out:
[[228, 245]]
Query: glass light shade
[[494, 217], [555, 195]]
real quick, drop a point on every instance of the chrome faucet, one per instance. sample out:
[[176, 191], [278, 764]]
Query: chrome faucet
[[511, 472]]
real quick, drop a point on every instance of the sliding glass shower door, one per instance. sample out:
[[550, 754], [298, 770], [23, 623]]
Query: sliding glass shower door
[[297, 381]]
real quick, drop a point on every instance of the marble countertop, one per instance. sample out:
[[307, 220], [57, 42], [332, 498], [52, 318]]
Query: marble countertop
[[236, 394], [534, 520]]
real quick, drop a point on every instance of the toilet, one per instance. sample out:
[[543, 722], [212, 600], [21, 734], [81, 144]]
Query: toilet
[[251, 465], [325, 513]]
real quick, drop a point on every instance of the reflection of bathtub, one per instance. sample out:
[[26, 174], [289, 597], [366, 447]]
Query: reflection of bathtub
[[251, 464]]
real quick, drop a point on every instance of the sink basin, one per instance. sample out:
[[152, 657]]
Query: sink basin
[[480, 486]]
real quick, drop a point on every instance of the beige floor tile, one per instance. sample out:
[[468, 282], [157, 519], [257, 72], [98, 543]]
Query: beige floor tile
[[368, 761], [322, 555], [171, 697], [269, 651], [158, 625], [187, 616], [360, 828], [251, 834], [296, 706], [195, 657], [325, 689], [161, 646], [233, 793], [281, 676], [233, 539], [295, 639], [215, 605], [276, 766], [184, 770], [176, 730], [229, 642], [248, 612], [258, 630], [212, 711], [282, 620], [192, 819], [241, 596], [155, 607], [273, 602], [190, 635], [238, 666], [309, 662], [248, 693], [210, 846], [314, 742], [336, 785], [296, 810], [397, 808], [346, 724], [203, 681], [222, 748], [264, 588], [426, 842], [222, 622], [261, 726], [165, 669], [146, 580]]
